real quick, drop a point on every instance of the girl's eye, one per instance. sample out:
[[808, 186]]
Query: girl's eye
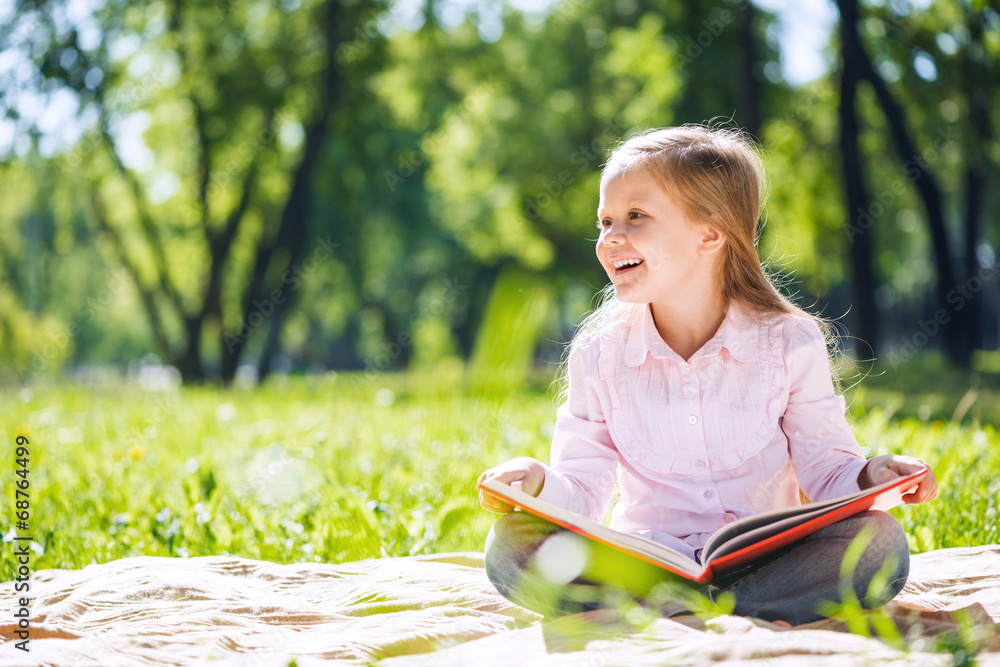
[[602, 223], [634, 214]]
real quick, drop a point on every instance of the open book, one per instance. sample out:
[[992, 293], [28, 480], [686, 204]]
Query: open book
[[733, 545]]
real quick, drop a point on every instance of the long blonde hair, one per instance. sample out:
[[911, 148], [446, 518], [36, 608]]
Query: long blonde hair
[[712, 173]]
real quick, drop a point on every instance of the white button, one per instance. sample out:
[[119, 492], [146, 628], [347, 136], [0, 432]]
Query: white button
[[688, 371], [728, 518], [699, 464], [708, 494], [692, 419]]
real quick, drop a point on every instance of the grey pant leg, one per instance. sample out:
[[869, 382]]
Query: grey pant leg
[[791, 586], [553, 571], [511, 547]]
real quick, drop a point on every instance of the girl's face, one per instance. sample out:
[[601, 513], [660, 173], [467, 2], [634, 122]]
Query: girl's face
[[648, 246]]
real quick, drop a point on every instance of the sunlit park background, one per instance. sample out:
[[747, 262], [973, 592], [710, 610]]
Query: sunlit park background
[[280, 279]]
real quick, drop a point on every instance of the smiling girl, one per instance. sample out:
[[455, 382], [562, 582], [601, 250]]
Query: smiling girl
[[704, 394]]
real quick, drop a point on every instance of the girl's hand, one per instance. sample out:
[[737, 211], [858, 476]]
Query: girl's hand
[[882, 469], [523, 473]]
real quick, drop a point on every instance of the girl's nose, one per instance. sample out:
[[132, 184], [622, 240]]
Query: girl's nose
[[613, 235]]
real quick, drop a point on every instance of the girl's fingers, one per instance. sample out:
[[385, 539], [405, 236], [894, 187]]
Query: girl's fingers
[[511, 477], [516, 476], [903, 466], [885, 474], [488, 504], [492, 504], [925, 492], [498, 508]]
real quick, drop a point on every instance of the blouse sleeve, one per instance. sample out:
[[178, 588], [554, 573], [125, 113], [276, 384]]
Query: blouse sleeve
[[824, 451], [581, 475]]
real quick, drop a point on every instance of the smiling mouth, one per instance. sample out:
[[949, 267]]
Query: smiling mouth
[[627, 269]]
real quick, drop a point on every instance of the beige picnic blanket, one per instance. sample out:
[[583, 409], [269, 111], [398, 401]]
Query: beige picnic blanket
[[441, 610]]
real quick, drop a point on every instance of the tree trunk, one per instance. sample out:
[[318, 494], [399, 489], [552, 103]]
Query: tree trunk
[[977, 90], [481, 285], [189, 362], [859, 220], [924, 180], [749, 85], [292, 232], [293, 229]]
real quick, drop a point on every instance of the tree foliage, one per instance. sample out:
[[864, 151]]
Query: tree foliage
[[334, 183]]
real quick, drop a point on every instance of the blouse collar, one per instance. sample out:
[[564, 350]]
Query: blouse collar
[[737, 333]]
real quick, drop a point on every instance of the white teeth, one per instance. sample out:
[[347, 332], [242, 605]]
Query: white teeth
[[626, 262]]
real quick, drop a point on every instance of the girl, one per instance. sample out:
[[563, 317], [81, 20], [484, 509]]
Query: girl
[[707, 396]]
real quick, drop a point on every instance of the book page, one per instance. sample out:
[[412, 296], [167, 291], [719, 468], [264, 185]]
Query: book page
[[648, 550], [764, 531], [759, 527], [670, 541]]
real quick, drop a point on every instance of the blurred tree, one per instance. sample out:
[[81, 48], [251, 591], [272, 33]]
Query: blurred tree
[[723, 57], [750, 80], [21, 333], [406, 277], [802, 241], [863, 281], [439, 173], [235, 83], [338, 24], [979, 73], [918, 50], [60, 293], [32, 339]]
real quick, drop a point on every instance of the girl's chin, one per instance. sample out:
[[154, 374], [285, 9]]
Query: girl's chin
[[627, 295]]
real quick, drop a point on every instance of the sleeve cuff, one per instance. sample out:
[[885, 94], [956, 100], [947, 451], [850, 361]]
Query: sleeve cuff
[[849, 482], [555, 490]]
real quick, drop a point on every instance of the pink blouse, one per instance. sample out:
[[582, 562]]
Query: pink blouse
[[736, 430]]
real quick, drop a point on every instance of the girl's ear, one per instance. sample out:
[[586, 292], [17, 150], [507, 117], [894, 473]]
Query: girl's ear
[[712, 239]]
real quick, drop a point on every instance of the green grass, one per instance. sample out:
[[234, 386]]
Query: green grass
[[301, 469], [332, 470], [927, 388]]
